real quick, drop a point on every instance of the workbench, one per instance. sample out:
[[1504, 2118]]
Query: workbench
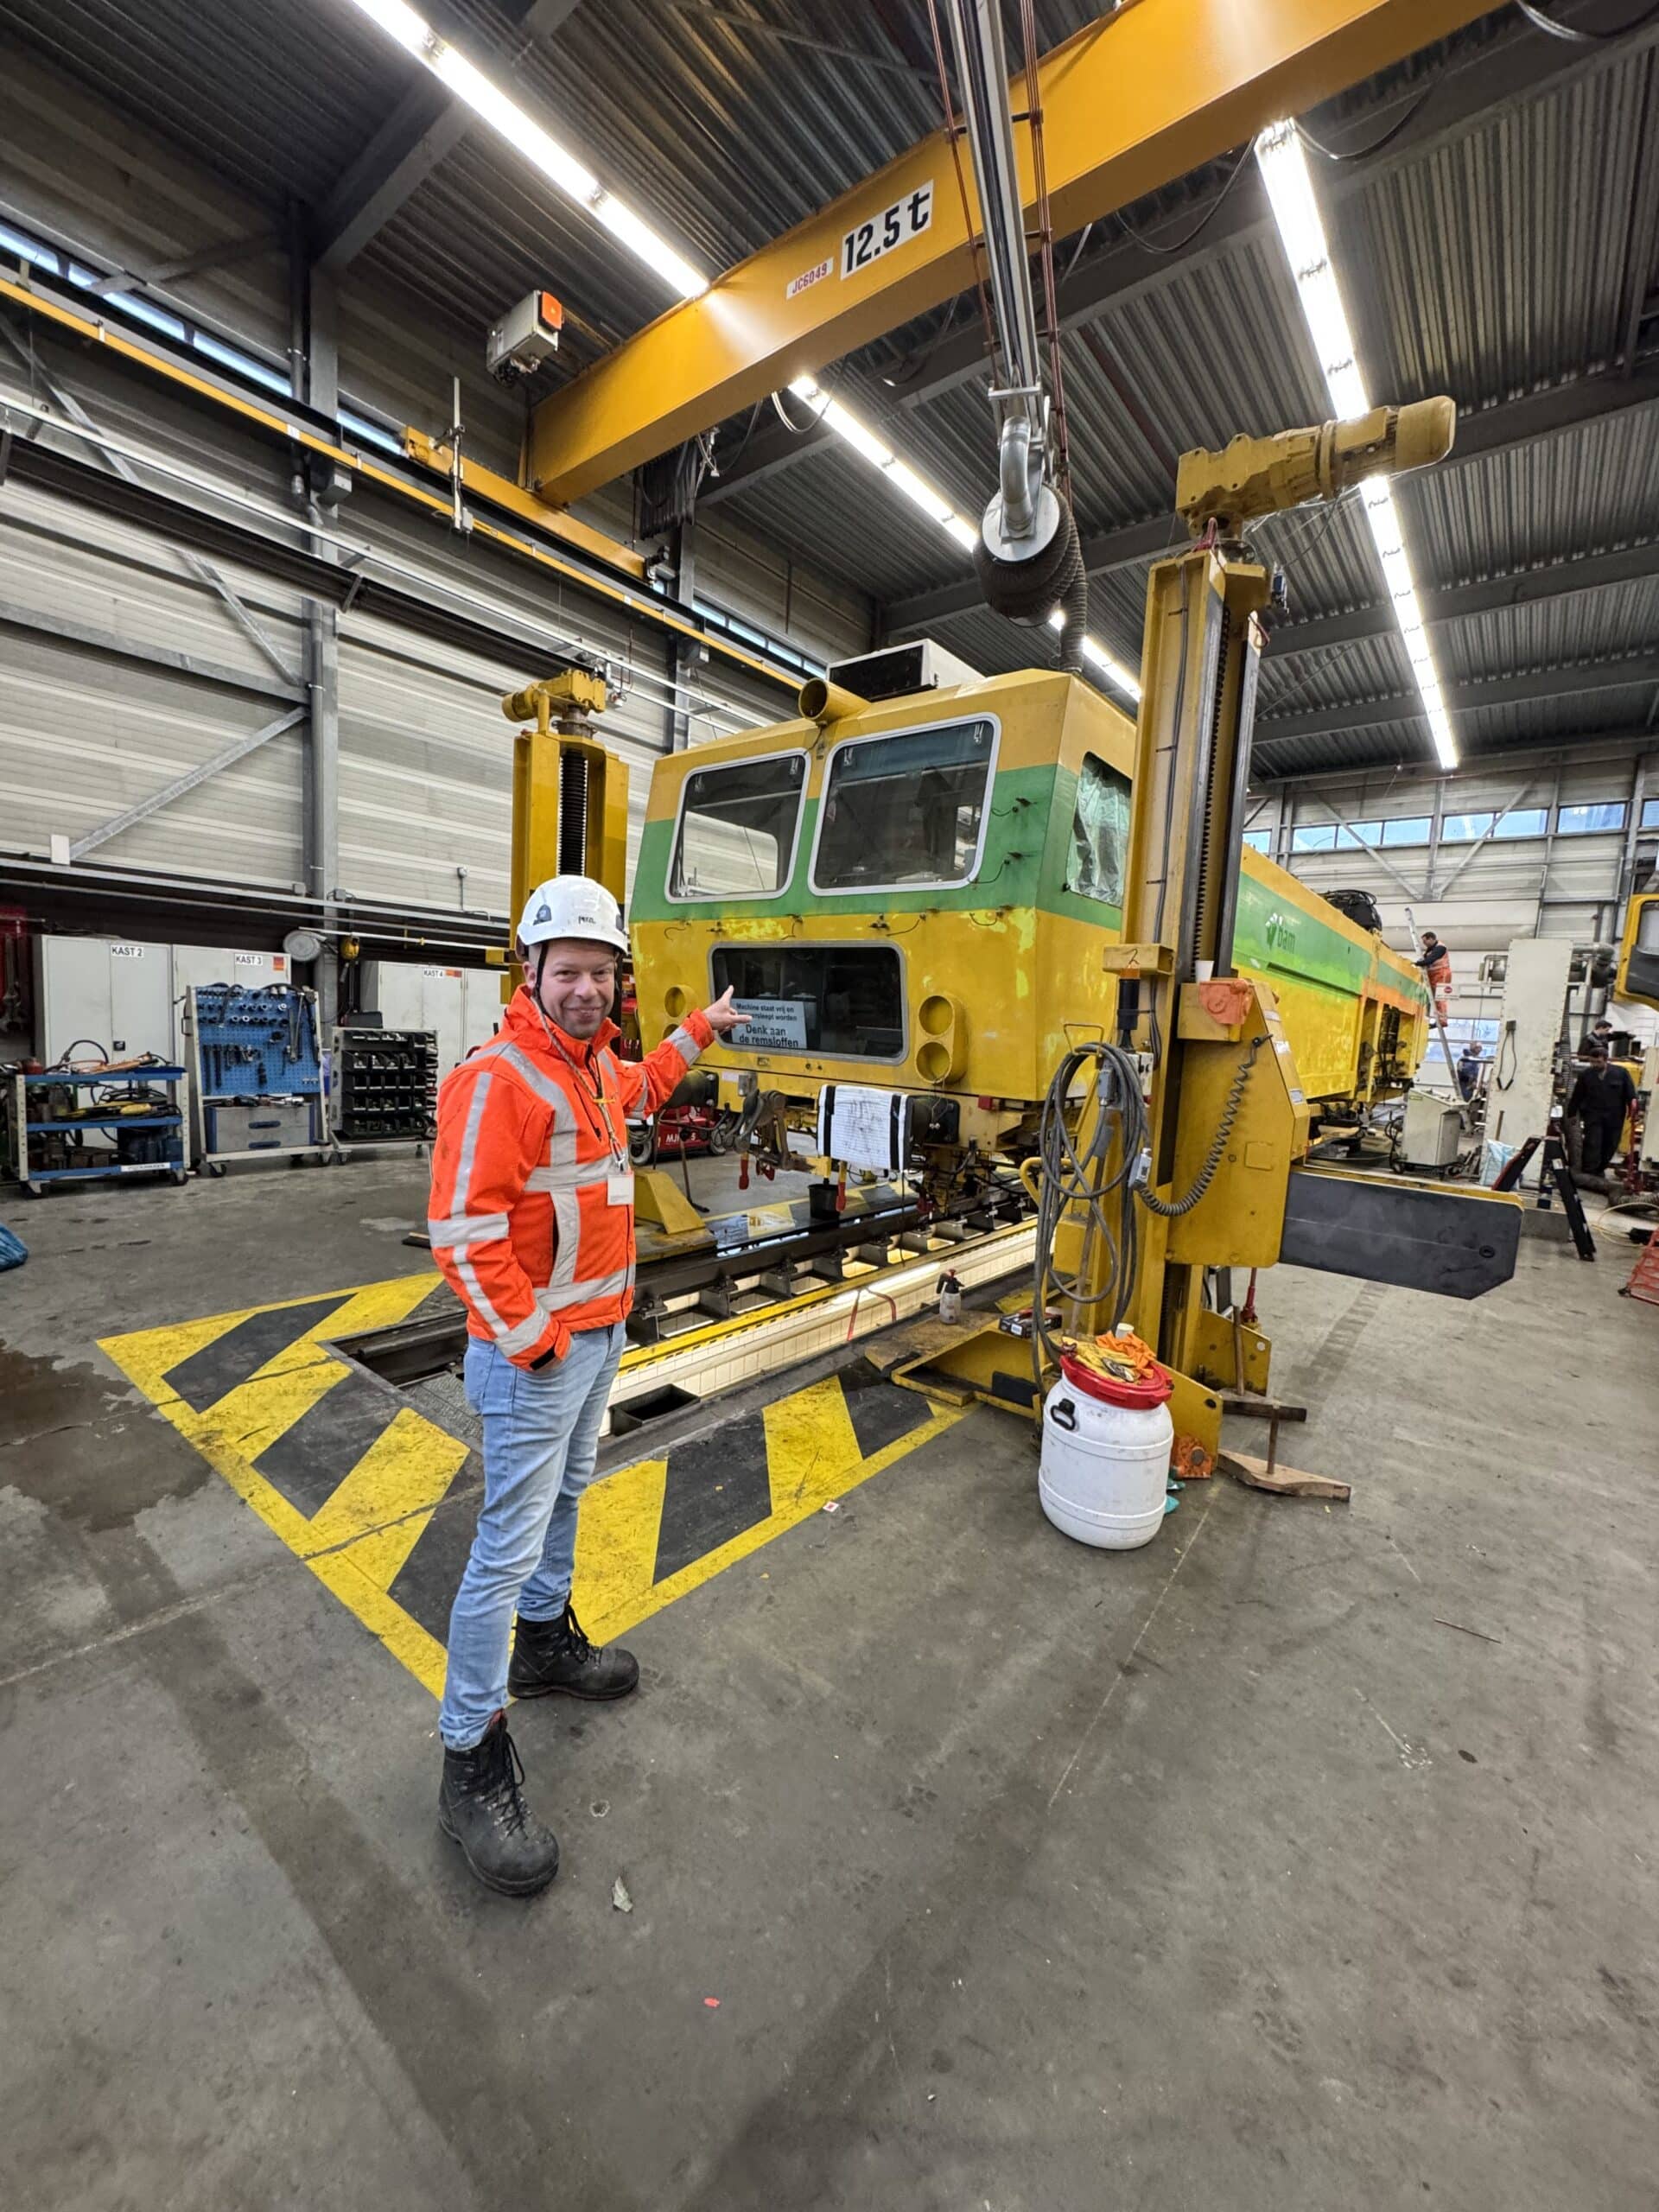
[[23, 1129]]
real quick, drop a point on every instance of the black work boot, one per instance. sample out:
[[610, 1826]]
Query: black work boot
[[482, 1807], [549, 1656]]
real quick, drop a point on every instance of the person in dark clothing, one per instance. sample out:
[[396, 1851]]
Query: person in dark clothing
[[1602, 1097], [1436, 963], [1469, 1070]]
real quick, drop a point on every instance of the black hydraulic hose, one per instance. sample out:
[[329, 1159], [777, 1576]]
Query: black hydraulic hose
[[1172, 1209], [1074, 617], [1572, 33]]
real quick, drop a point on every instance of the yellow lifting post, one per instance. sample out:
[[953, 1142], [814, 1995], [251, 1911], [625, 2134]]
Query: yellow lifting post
[[1128, 103], [1215, 1050], [1226, 1120], [569, 793], [571, 818]]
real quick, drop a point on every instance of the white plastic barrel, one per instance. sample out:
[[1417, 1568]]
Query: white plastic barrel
[[1104, 1472]]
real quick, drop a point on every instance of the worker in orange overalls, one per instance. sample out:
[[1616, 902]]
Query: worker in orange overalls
[[532, 1225], [1436, 963]]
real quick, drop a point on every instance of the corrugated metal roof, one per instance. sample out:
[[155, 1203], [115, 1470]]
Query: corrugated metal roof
[[1498, 262], [277, 98], [1495, 264], [1486, 730], [1499, 258], [1584, 491], [1587, 626]]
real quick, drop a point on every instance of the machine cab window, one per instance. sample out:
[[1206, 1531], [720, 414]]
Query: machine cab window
[[1100, 834], [737, 828], [904, 811]]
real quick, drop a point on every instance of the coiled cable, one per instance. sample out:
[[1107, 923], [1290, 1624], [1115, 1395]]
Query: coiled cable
[[1086, 1178], [1066, 1175], [1172, 1209]]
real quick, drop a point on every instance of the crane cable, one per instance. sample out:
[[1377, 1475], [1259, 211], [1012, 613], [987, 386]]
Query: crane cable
[[1045, 254], [954, 132]]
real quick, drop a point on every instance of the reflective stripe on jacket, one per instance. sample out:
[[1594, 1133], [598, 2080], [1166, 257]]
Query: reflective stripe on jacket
[[522, 1224]]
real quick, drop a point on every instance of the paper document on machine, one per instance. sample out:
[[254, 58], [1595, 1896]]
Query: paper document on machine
[[862, 1128]]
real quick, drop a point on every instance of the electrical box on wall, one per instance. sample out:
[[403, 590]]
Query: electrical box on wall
[[526, 338]]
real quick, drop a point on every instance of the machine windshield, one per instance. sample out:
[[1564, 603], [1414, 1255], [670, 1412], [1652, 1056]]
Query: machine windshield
[[844, 1000], [903, 810], [737, 830]]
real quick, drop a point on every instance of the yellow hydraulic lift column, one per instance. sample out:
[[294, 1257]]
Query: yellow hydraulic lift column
[[1207, 1038], [570, 794], [1224, 1117], [571, 818]]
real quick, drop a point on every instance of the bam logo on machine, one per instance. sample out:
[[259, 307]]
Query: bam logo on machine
[[894, 226]]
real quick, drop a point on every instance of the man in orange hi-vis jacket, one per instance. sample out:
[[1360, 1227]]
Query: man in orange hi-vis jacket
[[1436, 964], [532, 1225]]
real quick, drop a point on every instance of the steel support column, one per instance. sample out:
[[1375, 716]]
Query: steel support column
[[316, 380]]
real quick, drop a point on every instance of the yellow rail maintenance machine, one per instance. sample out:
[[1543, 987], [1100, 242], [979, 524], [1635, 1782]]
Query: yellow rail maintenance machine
[[994, 937]]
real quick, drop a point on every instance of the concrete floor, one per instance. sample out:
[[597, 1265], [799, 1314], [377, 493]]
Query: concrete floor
[[1224, 1873]]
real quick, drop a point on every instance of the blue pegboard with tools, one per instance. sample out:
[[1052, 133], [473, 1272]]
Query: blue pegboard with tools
[[257, 1070], [257, 1043]]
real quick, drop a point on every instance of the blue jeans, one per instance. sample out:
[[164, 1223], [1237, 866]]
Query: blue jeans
[[541, 1438]]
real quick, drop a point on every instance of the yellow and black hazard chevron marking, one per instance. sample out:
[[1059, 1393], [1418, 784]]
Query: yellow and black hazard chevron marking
[[352, 1480], [326, 1457]]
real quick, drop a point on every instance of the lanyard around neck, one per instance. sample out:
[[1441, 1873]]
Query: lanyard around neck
[[606, 1128]]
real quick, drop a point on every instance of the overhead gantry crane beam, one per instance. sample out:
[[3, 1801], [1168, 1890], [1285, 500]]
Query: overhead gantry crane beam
[[1128, 103]]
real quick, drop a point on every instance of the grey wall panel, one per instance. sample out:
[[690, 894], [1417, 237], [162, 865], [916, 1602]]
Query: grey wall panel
[[198, 451], [85, 733], [426, 768], [63, 560], [425, 779], [78, 750], [736, 699], [784, 594]]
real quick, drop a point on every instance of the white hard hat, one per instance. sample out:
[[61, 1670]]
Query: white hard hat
[[572, 905]]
